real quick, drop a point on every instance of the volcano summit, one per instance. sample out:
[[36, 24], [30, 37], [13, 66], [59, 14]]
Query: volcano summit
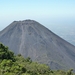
[[31, 39]]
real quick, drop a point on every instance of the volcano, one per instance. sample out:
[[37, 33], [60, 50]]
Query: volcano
[[31, 39]]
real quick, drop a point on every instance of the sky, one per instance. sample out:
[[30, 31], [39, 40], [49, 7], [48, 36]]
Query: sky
[[50, 13]]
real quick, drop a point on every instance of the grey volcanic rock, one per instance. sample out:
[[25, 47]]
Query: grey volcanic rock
[[31, 39]]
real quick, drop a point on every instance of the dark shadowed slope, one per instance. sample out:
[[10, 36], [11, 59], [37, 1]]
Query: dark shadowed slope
[[31, 39]]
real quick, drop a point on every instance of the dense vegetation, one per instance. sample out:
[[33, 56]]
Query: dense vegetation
[[17, 65]]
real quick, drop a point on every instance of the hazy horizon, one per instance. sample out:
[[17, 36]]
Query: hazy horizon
[[49, 12], [56, 15]]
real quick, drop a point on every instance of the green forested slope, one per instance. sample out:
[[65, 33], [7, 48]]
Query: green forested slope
[[17, 65]]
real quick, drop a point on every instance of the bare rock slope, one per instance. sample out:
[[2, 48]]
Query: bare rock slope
[[31, 39]]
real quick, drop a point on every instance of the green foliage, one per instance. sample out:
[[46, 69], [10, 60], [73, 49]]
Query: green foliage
[[18, 65], [70, 72], [5, 53]]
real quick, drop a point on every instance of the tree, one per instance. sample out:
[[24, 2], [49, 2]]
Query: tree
[[70, 72], [5, 53]]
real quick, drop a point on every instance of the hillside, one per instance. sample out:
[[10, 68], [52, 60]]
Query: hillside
[[17, 65], [31, 39], [67, 32]]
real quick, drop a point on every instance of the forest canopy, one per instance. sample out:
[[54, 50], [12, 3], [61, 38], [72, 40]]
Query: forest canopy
[[11, 64]]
